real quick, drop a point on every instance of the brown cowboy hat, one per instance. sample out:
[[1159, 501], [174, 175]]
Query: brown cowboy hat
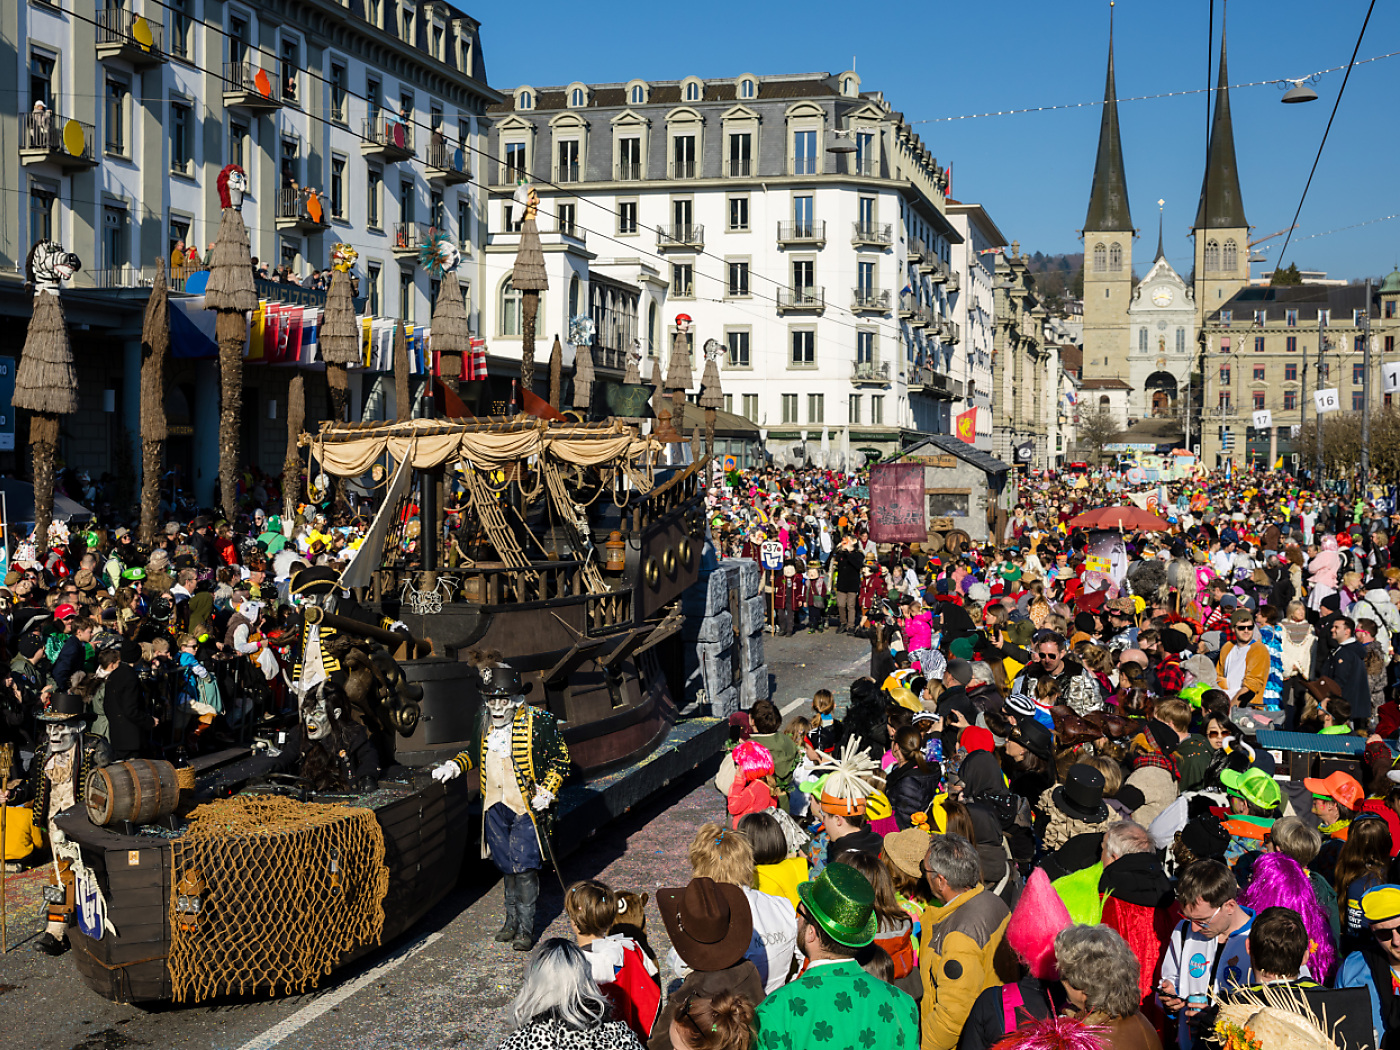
[[1323, 688], [709, 923]]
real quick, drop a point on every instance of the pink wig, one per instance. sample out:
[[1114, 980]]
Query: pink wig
[[753, 760], [1040, 914], [1280, 881], [1055, 1033]]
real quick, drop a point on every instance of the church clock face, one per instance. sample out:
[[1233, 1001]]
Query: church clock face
[[1162, 297]]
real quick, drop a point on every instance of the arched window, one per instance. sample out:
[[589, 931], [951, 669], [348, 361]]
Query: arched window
[[527, 101], [1142, 340], [637, 94], [1104, 402], [577, 97], [1115, 257], [846, 86], [573, 297], [1231, 259], [692, 92], [746, 89], [510, 309], [1100, 258], [651, 330], [1212, 255]]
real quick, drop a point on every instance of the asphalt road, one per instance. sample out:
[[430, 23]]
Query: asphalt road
[[444, 984]]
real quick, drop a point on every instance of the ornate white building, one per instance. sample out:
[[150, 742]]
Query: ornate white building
[[1162, 326]]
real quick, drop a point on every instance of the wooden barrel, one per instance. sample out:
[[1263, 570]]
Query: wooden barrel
[[140, 791]]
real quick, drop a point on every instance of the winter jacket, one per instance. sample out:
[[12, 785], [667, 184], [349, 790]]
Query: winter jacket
[[1300, 655], [124, 704], [1346, 666], [1139, 904], [963, 954], [1158, 789], [1256, 671], [1358, 970], [910, 791], [1030, 999]]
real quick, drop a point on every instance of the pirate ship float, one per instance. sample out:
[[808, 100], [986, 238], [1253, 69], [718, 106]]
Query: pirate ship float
[[576, 541]]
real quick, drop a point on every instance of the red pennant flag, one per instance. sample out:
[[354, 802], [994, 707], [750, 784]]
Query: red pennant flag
[[452, 405], [536, 406]]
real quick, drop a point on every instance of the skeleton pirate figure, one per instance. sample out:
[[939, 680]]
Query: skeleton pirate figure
[[57, 774], [329, 750], [523, 761]]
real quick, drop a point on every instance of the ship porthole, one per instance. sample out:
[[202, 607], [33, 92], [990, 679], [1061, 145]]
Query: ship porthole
[[653, 572], [668, 562]]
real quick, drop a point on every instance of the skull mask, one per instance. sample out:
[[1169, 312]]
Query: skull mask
[[502, 693], [64, 736]]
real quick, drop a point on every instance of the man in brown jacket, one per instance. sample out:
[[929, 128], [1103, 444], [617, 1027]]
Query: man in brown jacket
[[1243, 668]]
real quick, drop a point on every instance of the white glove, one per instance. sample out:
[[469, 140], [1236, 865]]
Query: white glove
[[447, 771], [543, 799]]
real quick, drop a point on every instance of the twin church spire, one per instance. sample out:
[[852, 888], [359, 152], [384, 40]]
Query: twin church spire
[[1108, 200]]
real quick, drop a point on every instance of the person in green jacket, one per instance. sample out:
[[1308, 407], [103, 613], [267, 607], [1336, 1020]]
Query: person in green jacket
[[271, 538]]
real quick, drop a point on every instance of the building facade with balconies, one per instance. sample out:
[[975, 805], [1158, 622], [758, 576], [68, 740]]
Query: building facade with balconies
[[1260, 352], [824, 275], [355, 120], [1025, 376], [974, 314]]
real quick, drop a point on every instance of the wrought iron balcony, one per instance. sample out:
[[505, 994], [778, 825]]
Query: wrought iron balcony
[[303, 210], [248, 86], [807, 299], [806, 165], [916, 249], [870, 300], [739, 167], [931, 383], [629, 171], [908, 305], [802, 232], [50, 136], [387, 137], [409, 237], [933, 266], [681, 236], [447, 164], [879, 234], [871, 372], [684, 169], [130, 37], [567, 173]]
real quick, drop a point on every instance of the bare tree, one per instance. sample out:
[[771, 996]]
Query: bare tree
[[1095, 430]]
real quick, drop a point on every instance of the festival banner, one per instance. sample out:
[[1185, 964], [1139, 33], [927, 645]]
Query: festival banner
[[967, 425], [1263, 419], [1327, 400], [1391, 373], [897, 503]]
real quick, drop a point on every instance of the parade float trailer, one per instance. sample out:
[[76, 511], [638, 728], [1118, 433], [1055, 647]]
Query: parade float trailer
[[575, 546]]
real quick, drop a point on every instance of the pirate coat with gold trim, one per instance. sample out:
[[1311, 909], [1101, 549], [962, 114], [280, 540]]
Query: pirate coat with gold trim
[[94, 753], [538, 754]]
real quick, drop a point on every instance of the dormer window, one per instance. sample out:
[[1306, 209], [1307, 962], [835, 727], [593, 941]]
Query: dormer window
[[746, 88]]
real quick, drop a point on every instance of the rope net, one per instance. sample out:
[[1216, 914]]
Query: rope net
[[267, 894]]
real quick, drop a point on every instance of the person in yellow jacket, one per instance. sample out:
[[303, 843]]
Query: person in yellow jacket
[[1243, 667], [963, 949]]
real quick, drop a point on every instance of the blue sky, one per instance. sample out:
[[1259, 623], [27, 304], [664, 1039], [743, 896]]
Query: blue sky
[[1032, 171]]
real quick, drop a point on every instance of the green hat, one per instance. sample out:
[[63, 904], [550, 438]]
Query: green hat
[[1254, 786], [842, 902], [813, 786], [135, 573]]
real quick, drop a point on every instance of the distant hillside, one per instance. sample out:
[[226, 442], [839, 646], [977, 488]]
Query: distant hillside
[[1058, 277]]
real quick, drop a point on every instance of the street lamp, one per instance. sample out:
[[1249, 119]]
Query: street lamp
[[841, 142], [1299, 92]]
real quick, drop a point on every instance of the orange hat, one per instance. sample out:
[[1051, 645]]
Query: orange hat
[[842, 807], [1340, 787]]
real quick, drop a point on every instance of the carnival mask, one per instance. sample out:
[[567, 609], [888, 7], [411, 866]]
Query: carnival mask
[[502, 709], [789, 571], [64, 736], [318, 719]]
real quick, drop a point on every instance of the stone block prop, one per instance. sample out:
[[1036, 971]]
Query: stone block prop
[[753, 686], [715, 645], [749, 572], [754, 615], [751, 652], [718, 628]]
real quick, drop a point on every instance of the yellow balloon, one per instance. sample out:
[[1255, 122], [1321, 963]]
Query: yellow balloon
[[74, 141]]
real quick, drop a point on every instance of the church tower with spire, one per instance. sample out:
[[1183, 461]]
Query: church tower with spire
[[1221, 232], [1108, 248]]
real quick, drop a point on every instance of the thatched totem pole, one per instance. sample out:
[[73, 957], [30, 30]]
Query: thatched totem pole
[[232, 293], [291, 463], [529, 278], [678, 375], [452, 337], [581, 330], [155, 349], [556, 373], [658, 397], [45, 382], [711, 396], [340, 332], [403, 398]]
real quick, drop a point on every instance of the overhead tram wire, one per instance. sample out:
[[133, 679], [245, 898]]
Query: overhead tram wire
[[893, 330], [1326, 131]]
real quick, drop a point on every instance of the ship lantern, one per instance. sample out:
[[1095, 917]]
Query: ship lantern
[[616, 552]]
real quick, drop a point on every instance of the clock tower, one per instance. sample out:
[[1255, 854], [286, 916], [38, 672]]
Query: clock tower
[[1221, 232], [1108, 247], [1162, 333]]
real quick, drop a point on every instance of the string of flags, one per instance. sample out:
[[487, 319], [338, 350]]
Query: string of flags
[[289, 334]]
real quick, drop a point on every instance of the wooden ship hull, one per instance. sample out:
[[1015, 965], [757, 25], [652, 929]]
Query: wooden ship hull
[[424, 836]]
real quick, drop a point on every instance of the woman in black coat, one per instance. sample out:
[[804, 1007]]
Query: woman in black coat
[[912, 782]]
